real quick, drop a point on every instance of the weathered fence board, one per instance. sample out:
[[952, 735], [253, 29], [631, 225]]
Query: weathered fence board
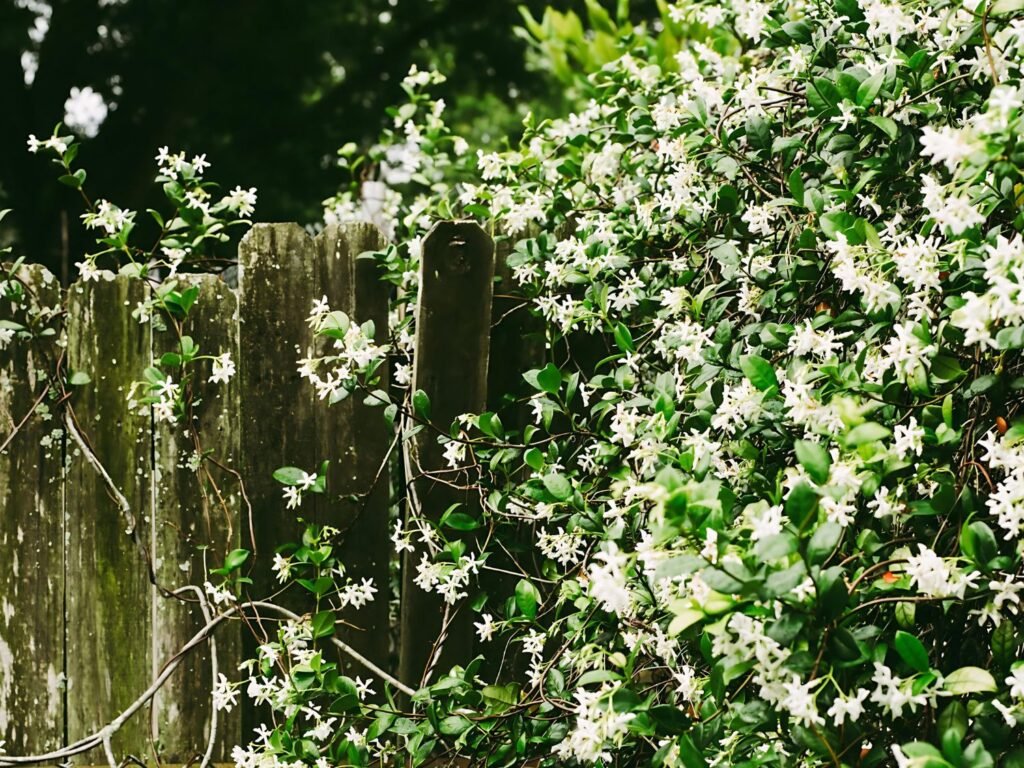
[[196, 522], [31, 541], [452, 347], [352, 434], [109, 610], [85, 514]]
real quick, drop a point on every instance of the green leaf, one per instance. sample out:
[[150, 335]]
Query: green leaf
[[1010, 338], [527, 598], [905, 613], [683, 620], [623, 340], [759, 372], [796, 185], [868, 432], [970, 680], [777, 546], [289, 475], [236, 559], [1004, 643], [978, 542], [534, 459], [885, 124], [500, 697], [824, 541], [800, 504], [421, 404], [1000, 7], [783, 582], [549, 379], [912, 651], [460, 521], [868, 90], [815, 459], [598, 676], [323, 624], [454, 725], [490, 425], [558, 486], [953, 718]]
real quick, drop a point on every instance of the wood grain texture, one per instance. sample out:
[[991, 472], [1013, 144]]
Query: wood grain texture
[[278, 282], [452, 346], [108, 607], [196, 522], [354, 436], [31, 537]]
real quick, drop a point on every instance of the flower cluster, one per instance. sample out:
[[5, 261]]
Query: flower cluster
[[766, 465]]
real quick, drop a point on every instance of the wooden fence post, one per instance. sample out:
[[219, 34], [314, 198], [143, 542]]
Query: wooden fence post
[[196, 522], [452, 346], [109, 604], [31, 541]]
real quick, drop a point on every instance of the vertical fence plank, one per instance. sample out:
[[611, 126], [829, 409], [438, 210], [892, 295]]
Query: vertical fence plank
[[31, 539], [452, 346], [353, 435], [108, 630], [278, 283], [196, 522]]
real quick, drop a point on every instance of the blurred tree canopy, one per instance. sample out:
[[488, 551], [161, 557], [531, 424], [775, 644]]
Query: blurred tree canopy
[[268, 89]]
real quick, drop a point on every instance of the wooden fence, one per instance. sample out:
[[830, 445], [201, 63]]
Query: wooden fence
[[83, 628]]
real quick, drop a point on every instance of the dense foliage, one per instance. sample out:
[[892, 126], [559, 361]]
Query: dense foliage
[[773, 484], [768, 501]]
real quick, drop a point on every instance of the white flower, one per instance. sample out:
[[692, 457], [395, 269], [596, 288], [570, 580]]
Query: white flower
[[851, 707], [282, 567], [292, 496], [322, 731], [243, 201], [225, 695], [485, 627], [355, 737], [84, 111], [597, 726], [949, 210], [934, 577], [364, 688], [455, 453], [800, 703], [565, 548], [908, 439], [1016, 681], [6, 336], [686, 683], [947, 145], [608, 581], [223, 369], [1006, 712], [55, 143]]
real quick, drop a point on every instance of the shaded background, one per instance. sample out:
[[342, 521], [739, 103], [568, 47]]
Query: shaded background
[[268, 89]]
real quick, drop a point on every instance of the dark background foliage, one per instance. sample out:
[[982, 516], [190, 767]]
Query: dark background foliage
[[269, 89]]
